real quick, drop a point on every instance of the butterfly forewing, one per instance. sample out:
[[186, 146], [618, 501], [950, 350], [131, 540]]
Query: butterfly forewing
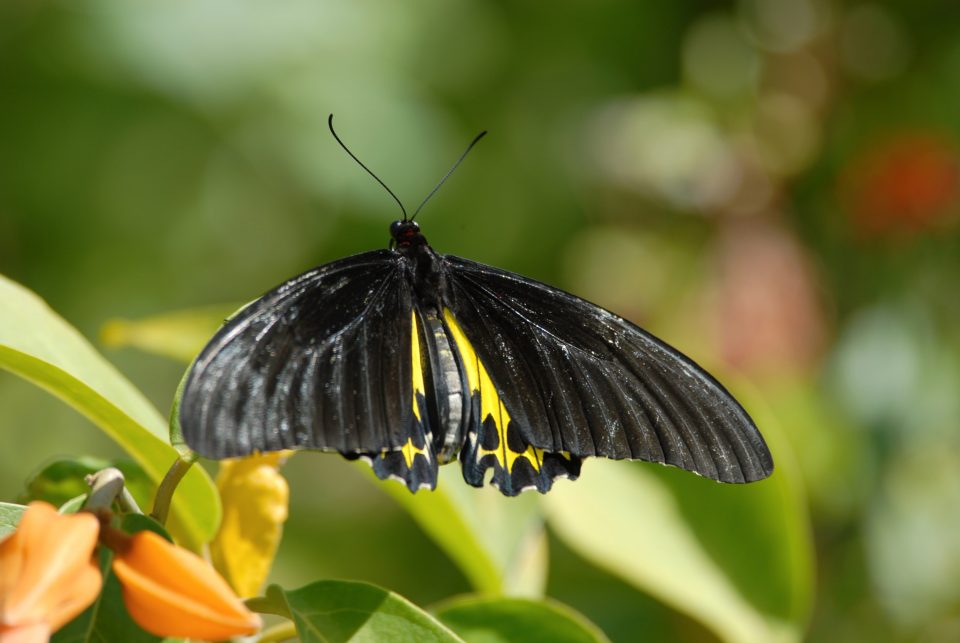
[[324, 361], [579, 380]]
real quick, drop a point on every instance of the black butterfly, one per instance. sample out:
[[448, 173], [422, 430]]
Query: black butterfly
[[410, 359]]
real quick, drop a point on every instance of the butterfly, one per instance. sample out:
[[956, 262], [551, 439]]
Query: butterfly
[[410, 359]]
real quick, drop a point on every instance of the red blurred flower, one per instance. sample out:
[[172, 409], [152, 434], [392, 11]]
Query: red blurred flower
[[907, 183]]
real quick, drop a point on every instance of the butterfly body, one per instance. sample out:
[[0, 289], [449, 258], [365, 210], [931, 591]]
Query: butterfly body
[[410, 359]]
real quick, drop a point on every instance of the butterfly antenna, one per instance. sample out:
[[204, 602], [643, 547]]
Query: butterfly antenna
[[369, 171], [449, 172]]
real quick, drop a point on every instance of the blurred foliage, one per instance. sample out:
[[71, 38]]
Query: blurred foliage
[[501, 620], [771, 185], [62, 481], [42, 348], [348, 611]]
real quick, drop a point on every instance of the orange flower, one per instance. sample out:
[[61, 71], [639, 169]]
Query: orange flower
[[172, 592], [47, 573]]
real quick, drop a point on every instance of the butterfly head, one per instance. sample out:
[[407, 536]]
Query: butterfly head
[[406, 234]]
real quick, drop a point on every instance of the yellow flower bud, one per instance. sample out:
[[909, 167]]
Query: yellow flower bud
[[255, 499]]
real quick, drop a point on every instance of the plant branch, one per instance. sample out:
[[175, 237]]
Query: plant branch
[[106, 486]]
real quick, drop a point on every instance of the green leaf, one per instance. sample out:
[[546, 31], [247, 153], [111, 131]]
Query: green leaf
[[738, 558], [132, 523], [107, 619], [10, 515], [333, 611], [64, 479], [514, 620], [175, 432], [498, 543], [179, 335], [73, 505], [41, 347]]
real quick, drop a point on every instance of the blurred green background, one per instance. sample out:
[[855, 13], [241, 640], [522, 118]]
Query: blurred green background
[[771, 185]]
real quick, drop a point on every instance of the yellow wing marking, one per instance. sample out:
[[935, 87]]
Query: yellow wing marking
[[418, 386], [410, 451], [491, 406]]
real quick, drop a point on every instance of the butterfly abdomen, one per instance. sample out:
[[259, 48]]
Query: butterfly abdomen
[[447, 388]]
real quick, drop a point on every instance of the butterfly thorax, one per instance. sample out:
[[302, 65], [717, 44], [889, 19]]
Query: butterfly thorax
[[423, 262]]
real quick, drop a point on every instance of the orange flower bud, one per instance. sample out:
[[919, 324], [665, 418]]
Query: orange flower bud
[[170, 591], [47, 573]]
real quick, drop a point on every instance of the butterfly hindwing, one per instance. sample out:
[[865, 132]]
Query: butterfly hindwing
[[323, 361], [493, 439], [578, 379], [415, 462]]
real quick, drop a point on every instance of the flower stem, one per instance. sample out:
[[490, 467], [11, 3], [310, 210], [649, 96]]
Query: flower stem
[[161, 502]]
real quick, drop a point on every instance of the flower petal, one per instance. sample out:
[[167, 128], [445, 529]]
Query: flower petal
[[48, 575], [33, 633], [87, 585], [170, 591]]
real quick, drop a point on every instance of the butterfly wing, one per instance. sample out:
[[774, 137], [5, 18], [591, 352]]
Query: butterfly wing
[[579, 380], [323, 361]]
